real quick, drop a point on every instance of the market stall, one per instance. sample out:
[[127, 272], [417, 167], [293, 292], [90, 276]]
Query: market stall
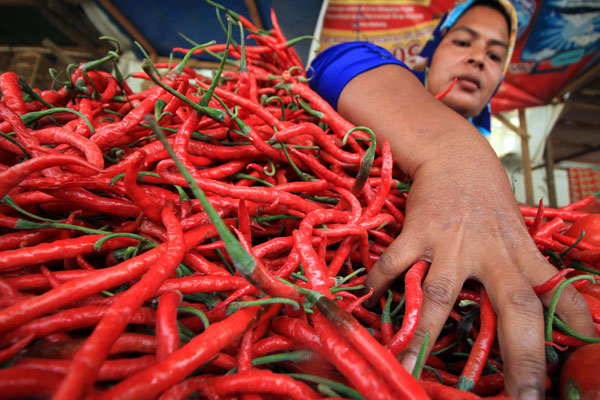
[[208, 233]]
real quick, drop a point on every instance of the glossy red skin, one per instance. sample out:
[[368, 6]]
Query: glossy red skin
[[581, 371], [591, 225]]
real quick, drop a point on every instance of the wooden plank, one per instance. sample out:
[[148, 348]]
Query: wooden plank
[[519, 131], [254, 14], [580, 80], [118, 15]]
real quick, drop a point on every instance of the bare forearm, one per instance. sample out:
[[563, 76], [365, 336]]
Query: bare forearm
[[426, 137], [420, 129]]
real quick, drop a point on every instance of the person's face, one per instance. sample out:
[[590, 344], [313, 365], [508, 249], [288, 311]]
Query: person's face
[[474, 51]]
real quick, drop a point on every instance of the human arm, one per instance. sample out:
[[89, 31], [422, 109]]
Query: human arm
[[462, 217]]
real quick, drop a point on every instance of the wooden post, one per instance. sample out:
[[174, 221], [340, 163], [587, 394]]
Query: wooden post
[[526, 159], [254, 14], [549, 163], [521, 130]]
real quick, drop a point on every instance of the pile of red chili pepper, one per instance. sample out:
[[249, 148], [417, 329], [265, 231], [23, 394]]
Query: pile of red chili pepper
[[210, 236]]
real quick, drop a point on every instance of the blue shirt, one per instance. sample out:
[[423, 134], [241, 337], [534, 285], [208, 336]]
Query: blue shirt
[[333, 68]]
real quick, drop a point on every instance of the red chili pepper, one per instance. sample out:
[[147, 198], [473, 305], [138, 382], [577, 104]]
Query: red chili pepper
[[447, 90], [27, 140], [70, 319], [351, 363], [539, 218], [11, 92], [111, 370], [93, 352], [566, 215], [58, 135], [414, 299], [167, 332], [147, 204], [552, 282], [11, 177], [20, 383], [202, 348], [271, 344], [59, 249], [108, 133], [92, 283], [481, 349]]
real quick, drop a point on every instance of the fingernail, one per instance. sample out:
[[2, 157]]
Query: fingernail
[[408, 361], [530, 394]]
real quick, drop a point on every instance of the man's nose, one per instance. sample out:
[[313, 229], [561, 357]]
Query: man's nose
[[477, 57]]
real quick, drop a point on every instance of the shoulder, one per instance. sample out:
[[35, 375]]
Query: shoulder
[[333, 68]]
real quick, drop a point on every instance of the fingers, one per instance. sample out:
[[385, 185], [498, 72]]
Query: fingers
[[395, 260], [520, 332], [572, 309], [440, 290]]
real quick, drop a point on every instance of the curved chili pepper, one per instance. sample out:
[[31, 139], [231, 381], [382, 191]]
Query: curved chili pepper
[[108, 133], [71, 319], [93, 352], [12, 176], [91, 283], [202, 348], [552, 282], [111, 370], [11, 92], [414, 299], [59, 249], [481, 349], [58, 135], [167, 333], [19, 382], [147, 204]]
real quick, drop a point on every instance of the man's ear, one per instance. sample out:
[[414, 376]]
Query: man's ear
[[419, 64]]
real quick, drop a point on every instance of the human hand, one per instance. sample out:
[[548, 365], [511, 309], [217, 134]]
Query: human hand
[[464, 220]]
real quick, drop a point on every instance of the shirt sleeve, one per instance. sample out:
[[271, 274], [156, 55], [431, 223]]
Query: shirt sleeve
[[332, 69]]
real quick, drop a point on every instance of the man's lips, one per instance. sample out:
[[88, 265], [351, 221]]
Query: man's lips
[[469, 82]]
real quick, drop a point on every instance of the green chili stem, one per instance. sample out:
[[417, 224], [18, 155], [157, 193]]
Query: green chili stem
[[304, 176], [570, 331], [13, 141], [346, 288], [140, 173], [416, 372], [217, 115], [398, 307], [241, 175], [233, 307], [346, 391], [35, 115], [554, 302], [435, 371], [351, 275], [367, 161], [243, 261], [100, 241], [196, 312], [294, 356], [209, 93], [578, 265], [571, 247]]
